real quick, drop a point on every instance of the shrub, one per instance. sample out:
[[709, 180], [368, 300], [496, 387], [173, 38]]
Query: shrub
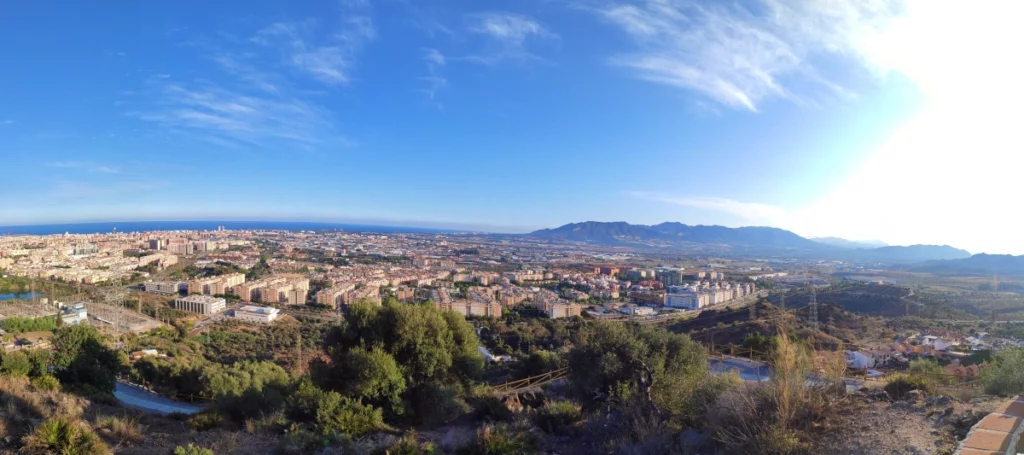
[[437, 404], [500, 439], [344, 415], [46, 383], [898, 387], [124, 428], [207, 420], [771, 417], [491, 408], [409, 446], [558, 417], [192, 449], [16, 364], [331, 412], [62, 436], [299, 441], [1005, 374]]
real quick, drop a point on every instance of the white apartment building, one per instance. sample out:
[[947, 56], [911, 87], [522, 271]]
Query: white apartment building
[[256, 314]]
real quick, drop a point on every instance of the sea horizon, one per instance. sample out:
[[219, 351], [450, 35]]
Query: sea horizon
[[102, 227]]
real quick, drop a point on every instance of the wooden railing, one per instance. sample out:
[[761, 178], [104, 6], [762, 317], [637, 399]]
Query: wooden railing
[[532, 381]]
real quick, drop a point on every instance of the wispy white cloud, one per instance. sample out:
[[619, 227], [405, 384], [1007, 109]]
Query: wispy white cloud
[[86, 166], [266, 99], [233, 117], [507, 36], [434, 80], [750, 212], [329, 59], [740, 56]]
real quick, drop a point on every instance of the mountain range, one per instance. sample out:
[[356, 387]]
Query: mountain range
[[851, 244], [980, 264], [748, 240]]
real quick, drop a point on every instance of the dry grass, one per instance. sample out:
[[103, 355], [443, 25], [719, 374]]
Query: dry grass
[[125, 429], [774, 417]]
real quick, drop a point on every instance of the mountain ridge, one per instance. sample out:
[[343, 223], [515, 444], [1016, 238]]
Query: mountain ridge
[[748, 239]]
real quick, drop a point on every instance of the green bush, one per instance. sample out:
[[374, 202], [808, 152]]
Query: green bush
[[558, 417], [46, 383], [491, 408], [19, 325], [62, 436], [408, 445], [438, 404], [898, 387], [501, 439], [207, 420], [1005, 374], [192, 449], [344, 415], [298, 441], [16, 364]]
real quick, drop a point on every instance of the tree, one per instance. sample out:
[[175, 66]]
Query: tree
[[1005, 374], [367, 348], [81, 359], [614, 359], [374, 375]]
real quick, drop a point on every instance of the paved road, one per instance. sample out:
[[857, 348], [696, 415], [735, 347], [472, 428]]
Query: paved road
[[139, 398]]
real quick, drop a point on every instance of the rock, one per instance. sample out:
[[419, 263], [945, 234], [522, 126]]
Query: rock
[[864, 390], [938, 443], [915, 394], [943, 400], [948, 411]]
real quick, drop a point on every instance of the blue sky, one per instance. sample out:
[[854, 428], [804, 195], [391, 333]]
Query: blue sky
[[505, 116]]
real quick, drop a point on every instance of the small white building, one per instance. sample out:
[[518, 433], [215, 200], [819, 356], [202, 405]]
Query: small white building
[[855, 359], [256, 314]]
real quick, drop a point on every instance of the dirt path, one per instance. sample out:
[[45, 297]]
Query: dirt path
[[875, 426]]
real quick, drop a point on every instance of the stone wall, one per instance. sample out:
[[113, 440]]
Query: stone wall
[[998, 433]]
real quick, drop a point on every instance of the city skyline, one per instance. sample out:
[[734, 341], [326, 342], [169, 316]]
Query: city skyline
[[868, 121]]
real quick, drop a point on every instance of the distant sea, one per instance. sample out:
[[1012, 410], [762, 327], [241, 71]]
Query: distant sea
[[139, 226]]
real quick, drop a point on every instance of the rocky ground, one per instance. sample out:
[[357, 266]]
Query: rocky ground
[[875, 425]]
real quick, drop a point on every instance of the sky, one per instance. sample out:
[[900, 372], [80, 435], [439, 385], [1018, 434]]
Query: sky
[[891, 120]]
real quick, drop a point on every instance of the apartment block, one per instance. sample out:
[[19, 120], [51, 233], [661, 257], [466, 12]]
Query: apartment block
[[467, 309], [165, 287]]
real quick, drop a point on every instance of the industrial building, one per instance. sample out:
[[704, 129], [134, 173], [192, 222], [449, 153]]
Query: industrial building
[[256, 314], [202, 304]]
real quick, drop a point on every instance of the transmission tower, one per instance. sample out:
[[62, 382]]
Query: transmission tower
[[812, 310], [115, 298]]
